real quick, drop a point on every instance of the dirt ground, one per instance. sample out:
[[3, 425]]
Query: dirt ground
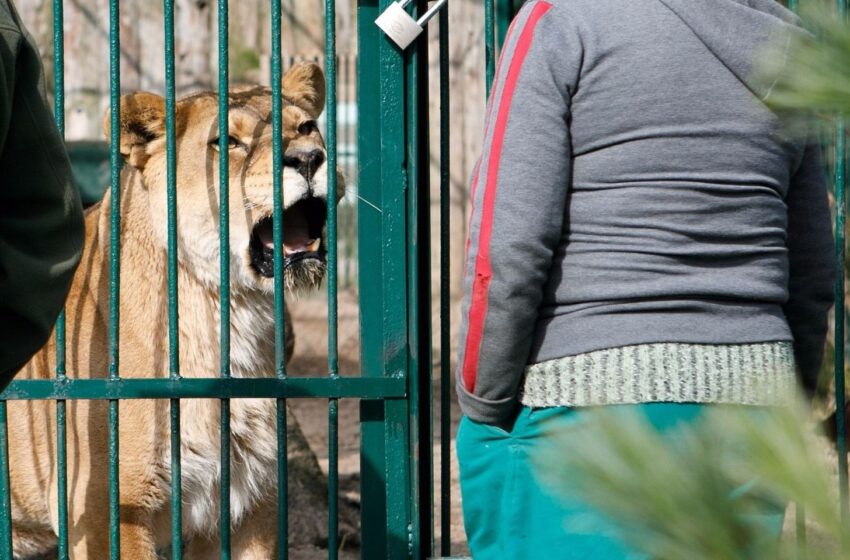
[[310, 360]]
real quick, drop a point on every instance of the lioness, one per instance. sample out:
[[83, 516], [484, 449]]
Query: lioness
[[143, 424]]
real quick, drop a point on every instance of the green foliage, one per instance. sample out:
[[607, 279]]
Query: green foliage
[[814, 68], [680, 495], [812, 74]]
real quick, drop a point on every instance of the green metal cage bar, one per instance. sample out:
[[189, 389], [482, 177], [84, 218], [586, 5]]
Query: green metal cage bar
[[114, 273], [419, 292], [799, 511], [61, 419], [277, 189], [279, 302], [333, 358], [173, 304], [5, 487], [224, 263], [506, 10], [372, 412], [385, 424], [489, 44], [840, 317], [840, 240]]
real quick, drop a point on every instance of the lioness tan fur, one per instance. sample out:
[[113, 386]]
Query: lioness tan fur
[[144, 424]]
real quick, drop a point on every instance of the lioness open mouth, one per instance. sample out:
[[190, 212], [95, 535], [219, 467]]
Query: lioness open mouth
[[302, 236]]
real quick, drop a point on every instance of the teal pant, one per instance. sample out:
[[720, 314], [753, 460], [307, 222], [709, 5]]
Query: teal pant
[[508, 514]]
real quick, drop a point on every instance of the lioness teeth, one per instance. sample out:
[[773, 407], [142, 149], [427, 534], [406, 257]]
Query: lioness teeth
[[310, 246]]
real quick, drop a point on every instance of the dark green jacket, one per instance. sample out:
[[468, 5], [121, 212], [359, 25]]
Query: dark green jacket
[[41, 222]]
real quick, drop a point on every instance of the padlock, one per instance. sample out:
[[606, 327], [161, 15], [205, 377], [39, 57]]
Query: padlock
[[400, 27]]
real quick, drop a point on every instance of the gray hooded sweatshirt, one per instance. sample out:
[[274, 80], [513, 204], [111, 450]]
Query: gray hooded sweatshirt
[[634, 191]]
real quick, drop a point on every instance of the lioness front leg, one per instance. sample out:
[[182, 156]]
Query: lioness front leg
[[201, 547], [256, 536], [142, 491], [91, 541], [254, 539]]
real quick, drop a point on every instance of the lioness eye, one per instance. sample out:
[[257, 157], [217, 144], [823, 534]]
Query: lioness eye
[[307, 127], [232, 143]]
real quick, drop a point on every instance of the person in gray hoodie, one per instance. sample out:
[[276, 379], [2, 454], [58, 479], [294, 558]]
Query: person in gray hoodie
[[645, 232]]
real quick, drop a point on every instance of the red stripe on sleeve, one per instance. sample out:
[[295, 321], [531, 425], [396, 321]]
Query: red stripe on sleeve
[[483, 269], [474, 188]]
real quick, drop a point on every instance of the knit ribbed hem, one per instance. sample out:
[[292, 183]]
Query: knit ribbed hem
[[754, 374]]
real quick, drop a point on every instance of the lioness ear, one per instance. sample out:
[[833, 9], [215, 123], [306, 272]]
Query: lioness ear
[[142, 117], [304, 85]]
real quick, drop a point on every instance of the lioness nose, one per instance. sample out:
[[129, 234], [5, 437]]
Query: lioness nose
[[305, 161]]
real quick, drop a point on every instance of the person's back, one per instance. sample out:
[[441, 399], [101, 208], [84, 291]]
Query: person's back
[[645, 232], [662, 210]]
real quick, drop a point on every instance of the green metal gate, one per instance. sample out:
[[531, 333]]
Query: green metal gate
[[395, 384]]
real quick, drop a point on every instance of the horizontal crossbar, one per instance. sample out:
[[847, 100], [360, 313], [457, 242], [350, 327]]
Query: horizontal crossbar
[[207, 388]]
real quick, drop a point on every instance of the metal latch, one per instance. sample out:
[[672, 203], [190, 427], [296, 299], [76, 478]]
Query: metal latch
[[400, 26]]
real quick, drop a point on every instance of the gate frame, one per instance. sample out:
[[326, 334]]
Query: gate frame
[[394, 286]]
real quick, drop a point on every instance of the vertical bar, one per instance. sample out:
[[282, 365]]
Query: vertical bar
[[505, 12], [419, 296], [279, 303], [114, 272], [353, 123], [355, 157], [373, 478], [398, 515], [61, 424], [277, 186], [342, 63], [59, 72], [5, 489], [445, 295], [489, 44], [800, 512], [173, 324], [224, 263], [382, 182], [333, 361], [171, 174], [502, 9], [840, 318], [176, 481], [351, 142], [840, 236]]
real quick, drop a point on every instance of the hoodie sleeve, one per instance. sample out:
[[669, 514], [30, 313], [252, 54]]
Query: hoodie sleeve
[[811, 281], [518, 194]]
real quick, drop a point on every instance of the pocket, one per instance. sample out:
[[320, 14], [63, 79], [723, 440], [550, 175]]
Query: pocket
[[482, 428]]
